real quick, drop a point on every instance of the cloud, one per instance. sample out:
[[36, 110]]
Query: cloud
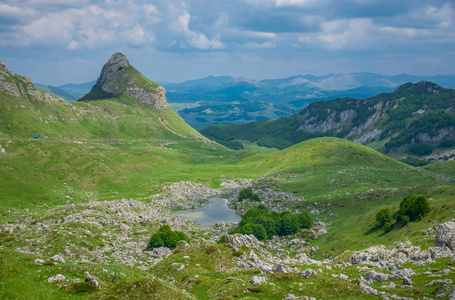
[[277, 32], [87, 27]]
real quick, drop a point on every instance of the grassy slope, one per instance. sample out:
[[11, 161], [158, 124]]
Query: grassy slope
[[120, 149]]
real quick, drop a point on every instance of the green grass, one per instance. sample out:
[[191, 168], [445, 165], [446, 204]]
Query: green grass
[[120, 148]]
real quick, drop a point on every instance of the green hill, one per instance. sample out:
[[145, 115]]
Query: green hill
[[415, 120], [85, 192]]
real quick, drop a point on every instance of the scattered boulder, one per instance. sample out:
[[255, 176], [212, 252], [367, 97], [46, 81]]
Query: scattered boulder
[[182, 267], [368, 289], [407, 281], [391, 285], [161, 251], [253, 257], [377, 276], [57, 257], [91, 279], [445, 236], [258, 280], [56, 278], [397, 274], [248, 240], [294, 297], [314, 249], [38, 261], [220, 224], [281, 269], [307, 273]]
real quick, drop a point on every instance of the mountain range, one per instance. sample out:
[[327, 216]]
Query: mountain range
[[415, 120], [227, 100]]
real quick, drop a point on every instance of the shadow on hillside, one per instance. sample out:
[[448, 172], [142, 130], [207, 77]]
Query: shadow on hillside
[[395, 226], [372, 230]]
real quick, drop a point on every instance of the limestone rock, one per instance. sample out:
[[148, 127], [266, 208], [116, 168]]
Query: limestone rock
[[407, 281], [376, 276], [182, 267], [56, 278], [402, 273], [243, 240], [445, 236], [57, 257], [307, 273], [258, 280], [368, 289], [91, 279], [281, 269]]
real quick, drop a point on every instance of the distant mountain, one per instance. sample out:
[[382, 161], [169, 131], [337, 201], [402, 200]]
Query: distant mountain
[[227, 100], [58, 92], [416, 120], [198, 83], [69, 91]]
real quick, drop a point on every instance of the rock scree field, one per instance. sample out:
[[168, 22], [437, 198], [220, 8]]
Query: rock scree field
[[85, 185]]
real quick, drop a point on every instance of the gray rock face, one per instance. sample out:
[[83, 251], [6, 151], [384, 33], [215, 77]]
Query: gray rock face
[[116, 63], [445, 236], [377, 276]]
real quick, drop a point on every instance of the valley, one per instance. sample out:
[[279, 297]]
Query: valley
[[80, 203]]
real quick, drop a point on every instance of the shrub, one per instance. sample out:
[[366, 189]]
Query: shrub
[[383, 216], [166, 237], [245, 194], [305, 220], [413, 208], [421, 149]]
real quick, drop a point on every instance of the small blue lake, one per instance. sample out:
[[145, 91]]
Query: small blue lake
[[215, 210]]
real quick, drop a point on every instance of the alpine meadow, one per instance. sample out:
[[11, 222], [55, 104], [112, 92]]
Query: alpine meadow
[[175, 175]]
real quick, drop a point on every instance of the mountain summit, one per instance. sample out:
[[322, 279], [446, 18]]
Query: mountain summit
[[118, 77]]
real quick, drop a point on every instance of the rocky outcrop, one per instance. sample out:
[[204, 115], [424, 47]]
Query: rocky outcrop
[[184, 194], [445, 235], [118, 76], [21, 86]]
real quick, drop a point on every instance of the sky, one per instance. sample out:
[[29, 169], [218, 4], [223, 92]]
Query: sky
[[68, 41]]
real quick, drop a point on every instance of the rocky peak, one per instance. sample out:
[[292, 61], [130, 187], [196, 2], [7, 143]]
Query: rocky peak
[[115, 66], [119, 77], [420, 86]]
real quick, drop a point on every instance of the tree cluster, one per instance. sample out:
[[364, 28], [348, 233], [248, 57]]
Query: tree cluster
[[166, 237], [248, 194], [263, 224], [412, 209]]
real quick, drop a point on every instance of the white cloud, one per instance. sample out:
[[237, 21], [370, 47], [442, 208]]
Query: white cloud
[[195, 39], [303, 3], [265, 45]]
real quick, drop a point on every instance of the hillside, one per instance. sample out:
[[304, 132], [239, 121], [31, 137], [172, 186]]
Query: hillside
[[95, 149], [79, 206], [416, 120]]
